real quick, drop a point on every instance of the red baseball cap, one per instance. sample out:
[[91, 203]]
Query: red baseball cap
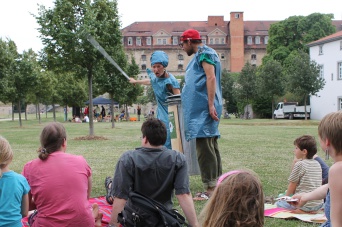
[[190, 34]]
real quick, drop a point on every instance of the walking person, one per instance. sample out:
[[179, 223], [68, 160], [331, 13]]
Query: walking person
[[202, 107]]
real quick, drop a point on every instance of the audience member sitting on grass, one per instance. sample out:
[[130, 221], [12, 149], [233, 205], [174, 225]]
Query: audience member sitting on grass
[[60, 184], [86, 119], [78, 119], [152, 170], [306, 175], [13, 190], [238, 200], [330, 134]]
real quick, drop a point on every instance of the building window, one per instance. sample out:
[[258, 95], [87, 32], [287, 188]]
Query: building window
[[148, 41], [266, 39], [253, 57], [339, 71], [143, 57], [249, 40], [180, 57], [130, 41], [143, 67], [217, 41], [164, 41], [222, 40], [211, 41], [222, 56], [180, 67], [321, 50], [138, 41], [257, 40], [204, 41], [175, 40], [321, 71], [159, 41], [340, 103], [237, 16]]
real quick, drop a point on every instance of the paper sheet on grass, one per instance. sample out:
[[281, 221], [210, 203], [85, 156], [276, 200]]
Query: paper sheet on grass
[[274, 212]]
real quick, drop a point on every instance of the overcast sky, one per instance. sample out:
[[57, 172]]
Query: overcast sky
[[17, 24]]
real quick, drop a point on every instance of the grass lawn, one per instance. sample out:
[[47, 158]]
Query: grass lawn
[[265, 146]]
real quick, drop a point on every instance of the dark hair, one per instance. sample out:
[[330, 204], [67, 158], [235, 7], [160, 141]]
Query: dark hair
[[51, 139], [196, 41], [155, 131], [308, 143]]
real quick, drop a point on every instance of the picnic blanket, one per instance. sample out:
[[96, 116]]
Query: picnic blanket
[[105, 208], [274, 212]]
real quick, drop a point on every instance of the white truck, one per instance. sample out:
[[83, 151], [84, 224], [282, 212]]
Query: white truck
[[291, 110]]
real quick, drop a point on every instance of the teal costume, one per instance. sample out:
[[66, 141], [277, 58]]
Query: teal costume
[[161, 92], [197, 120]]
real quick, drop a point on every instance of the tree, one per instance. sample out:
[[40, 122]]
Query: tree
[[303, 75], [297, 31], [228, 93], [271, 81], [23, 78], [8, 56], [246, 88], [63, 32]]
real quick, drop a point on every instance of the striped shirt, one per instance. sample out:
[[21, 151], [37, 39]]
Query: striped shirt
[[308, 176]]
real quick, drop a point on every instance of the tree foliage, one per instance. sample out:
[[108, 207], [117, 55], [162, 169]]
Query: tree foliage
[[303, 75], [295, 32], [228, 91], [271, 81], [64, 29]]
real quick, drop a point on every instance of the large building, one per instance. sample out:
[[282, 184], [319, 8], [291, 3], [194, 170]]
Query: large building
[[236, 41], [327, 52]]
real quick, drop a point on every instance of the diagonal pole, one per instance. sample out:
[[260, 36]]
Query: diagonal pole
[[105, 54]]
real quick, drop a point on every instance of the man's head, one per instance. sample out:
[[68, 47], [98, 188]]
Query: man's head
[[189, 37], [305, 147], [159, 61], [154, 131]]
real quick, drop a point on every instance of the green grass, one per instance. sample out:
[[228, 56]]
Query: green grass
[[265, 146]]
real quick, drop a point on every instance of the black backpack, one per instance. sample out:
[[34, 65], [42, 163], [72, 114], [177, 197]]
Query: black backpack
[[141, 211]]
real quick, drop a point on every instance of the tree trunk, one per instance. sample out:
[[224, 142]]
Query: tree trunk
[[273, 108], [19, 111], [46, 108], [12, 111], [127, 113], [90, 90], [25, 112], [66, 112], [39, 114], [36, 111], [306, 118], [112, 111], [54, 112]]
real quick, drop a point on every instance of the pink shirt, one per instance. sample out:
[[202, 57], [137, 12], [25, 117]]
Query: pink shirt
[[59, 187]]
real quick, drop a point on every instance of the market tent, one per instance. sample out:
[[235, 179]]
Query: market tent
[[102, 101]]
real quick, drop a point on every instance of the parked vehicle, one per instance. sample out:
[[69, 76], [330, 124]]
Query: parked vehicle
[[291, 110]]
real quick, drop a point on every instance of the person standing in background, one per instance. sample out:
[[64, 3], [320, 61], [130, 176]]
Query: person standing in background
[[139, 112]]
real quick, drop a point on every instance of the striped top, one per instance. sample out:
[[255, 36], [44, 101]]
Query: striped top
[[308, 176]]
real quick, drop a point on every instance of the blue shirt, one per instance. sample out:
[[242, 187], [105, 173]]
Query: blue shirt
[[13, 187]]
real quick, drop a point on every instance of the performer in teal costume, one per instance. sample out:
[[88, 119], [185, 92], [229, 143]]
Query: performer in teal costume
[[164, 84]]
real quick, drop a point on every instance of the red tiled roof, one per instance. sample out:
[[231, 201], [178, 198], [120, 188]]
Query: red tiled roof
[[327, 39]]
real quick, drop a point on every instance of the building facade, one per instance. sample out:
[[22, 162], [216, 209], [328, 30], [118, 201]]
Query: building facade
[[236, 41], [327, 52]]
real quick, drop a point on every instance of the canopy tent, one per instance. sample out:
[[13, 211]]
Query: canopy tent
[[102, 101]]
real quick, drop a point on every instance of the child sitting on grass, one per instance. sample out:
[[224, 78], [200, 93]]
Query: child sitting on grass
[[14, 202], [306, 174]]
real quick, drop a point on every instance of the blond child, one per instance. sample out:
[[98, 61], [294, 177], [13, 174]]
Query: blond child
[[306, 174], [13, 190], [238, 200]]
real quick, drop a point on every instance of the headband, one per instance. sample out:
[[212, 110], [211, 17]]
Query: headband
[[225, 175]]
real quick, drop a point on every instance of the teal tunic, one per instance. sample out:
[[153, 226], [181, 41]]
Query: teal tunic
[[197, 120], [161, 92]]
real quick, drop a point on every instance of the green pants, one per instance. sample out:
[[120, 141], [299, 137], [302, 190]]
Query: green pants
[[209, 160]]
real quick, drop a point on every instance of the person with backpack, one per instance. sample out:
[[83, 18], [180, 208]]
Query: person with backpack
[[154, 171]]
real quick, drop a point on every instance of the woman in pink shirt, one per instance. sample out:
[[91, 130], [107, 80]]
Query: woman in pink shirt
[[60, 184]]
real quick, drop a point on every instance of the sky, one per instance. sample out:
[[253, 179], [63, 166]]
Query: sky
[[17, 23]]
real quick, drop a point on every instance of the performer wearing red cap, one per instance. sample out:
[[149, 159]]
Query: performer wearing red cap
[[202, 107]]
